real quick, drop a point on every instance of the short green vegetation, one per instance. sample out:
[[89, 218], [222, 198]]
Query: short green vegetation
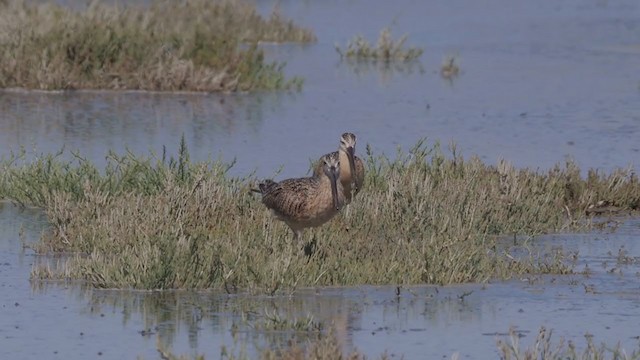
[[423, 217], [387, 49], [193, 45], [545, 348]]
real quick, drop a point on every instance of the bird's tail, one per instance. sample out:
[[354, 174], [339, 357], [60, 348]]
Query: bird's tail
[[264, 186]]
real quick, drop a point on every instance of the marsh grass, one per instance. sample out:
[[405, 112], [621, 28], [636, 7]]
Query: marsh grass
[[545, 348], [423, 217], [194, 45], [387, 49]]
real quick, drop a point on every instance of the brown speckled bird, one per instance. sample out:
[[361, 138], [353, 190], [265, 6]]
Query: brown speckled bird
[[306, 202], [351, 166]]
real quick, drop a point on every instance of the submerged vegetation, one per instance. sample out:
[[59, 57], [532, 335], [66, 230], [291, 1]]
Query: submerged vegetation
[[193, 45], [323, 347], [545, 348], [319, 347], [387, 49], [423, 217], [328, 346]]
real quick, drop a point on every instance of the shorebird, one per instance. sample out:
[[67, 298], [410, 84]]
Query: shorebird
[[306, 202], [351, 166]]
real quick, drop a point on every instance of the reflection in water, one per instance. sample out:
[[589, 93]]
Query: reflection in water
[[230, 319], [95, 122], [87, 114], [541, 81], [425, 321], [537, 87], [16, 222], [421, 321], [387, 71]]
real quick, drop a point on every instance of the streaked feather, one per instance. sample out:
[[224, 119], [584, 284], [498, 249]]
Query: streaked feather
[[304, 202], [351, 183]]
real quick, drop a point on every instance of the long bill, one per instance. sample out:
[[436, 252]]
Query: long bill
[[352, 164], [334, 188]]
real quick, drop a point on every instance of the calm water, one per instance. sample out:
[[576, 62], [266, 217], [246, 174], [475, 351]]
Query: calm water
[[539, 82], [55, 321]]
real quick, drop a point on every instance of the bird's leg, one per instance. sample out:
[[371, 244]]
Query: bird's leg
[[297, 235], [310, 247]]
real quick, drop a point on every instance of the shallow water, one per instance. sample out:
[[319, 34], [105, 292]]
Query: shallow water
[[49, 320], [539, 82]]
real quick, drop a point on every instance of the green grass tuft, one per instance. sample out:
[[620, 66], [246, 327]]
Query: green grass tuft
[[193, 45], [387, 49], [422, 217]]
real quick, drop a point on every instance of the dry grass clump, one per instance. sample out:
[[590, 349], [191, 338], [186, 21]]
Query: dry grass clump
[[193, 45], [387, 49], [544, 348], [422, 217]]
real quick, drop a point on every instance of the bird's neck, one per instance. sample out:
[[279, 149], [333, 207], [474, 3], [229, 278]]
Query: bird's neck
[[345, 167]]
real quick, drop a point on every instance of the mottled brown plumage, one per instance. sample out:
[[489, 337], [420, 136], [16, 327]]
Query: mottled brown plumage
[[306, 202], [351, 166]]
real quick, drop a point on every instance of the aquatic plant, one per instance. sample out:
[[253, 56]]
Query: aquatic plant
[[193, 45], [422, 217], [544, 348], [387, 49], [449, 68]]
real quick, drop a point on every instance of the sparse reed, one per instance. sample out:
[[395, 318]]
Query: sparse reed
[[422, 217], [544, 348], [449, 68], [193, 45], [387, 49]]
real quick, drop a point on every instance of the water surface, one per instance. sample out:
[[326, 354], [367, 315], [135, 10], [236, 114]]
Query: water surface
[[539, 82], [49, 320]]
